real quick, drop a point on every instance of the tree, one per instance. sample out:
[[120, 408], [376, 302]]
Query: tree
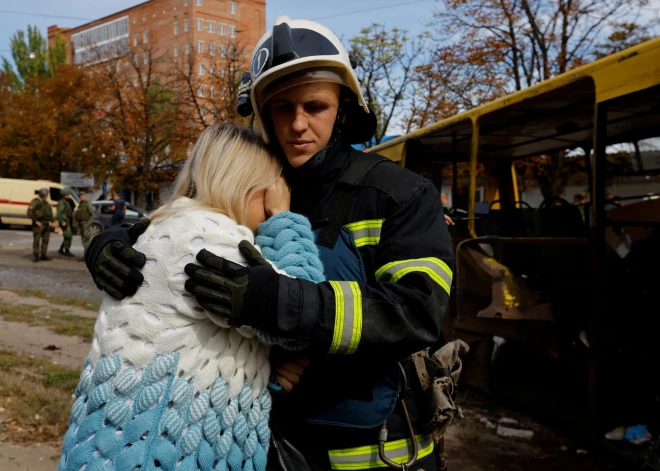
[[488, 48], [386, 60], [208, 92], [623, 36], [41, 128], [32, 57], [147, 133]]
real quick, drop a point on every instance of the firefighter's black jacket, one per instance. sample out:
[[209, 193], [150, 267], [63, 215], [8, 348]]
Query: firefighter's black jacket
[[400, 317]]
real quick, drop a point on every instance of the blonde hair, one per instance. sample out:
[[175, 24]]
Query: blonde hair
[[227, 166]]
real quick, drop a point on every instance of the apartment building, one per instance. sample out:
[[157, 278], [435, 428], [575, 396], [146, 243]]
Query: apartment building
[[176, 27]]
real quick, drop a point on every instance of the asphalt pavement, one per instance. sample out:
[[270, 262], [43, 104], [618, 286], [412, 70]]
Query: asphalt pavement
[[64, 276]]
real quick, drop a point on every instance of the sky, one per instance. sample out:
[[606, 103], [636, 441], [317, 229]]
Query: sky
[[405, 14]]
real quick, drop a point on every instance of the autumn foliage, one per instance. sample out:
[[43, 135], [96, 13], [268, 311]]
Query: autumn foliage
[[128, 119]]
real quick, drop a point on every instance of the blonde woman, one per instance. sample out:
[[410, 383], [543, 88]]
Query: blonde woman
[[167, 385]]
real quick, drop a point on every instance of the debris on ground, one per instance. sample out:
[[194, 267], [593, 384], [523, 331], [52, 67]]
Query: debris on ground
[[508, 432], [52, 347], [637, 434]]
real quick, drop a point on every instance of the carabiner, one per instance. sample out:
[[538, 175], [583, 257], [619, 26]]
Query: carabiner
[[382, 436]]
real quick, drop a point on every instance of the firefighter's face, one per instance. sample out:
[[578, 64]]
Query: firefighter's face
[[303, 118]]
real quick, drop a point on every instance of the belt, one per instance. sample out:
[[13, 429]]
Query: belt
[[366, 457]]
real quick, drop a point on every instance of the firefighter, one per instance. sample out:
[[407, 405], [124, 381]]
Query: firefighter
[[384, 245], [41, 214]]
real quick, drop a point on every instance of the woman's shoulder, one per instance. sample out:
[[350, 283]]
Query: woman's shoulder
[[190, 231]]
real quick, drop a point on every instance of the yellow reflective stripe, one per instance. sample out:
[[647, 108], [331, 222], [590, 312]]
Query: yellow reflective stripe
[[356, 333], [367, 224], [361, 242], [348, 317], [366, 457], [366, 232], [435, 268]]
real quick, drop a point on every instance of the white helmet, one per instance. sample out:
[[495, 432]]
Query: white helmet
[[301, 51]]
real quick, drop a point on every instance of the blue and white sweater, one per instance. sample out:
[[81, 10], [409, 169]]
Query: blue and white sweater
[[166, 385]]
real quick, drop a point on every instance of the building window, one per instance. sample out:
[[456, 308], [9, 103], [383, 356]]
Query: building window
[[223, 30], [200, 91], [200, 46], [232, 31], [212, 49], [211, 27], [223, 50], [212, 92], [176, 50], [232, 7], [212, 71], [187, 69], [176, 28], [200, 68], [145, 38], [185, 3], [200, 25], [146, 58], [136, 40], [198, 3], [144, 17], [187, 48], [185, 25], [222, 75]]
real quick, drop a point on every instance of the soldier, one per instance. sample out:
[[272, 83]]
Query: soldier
[[84, 217], [64, 218], [41, 213]]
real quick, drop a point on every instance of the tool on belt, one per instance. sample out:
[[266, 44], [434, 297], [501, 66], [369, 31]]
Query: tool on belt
[[438, 375]]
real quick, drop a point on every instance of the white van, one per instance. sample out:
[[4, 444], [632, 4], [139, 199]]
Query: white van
[[15, 197]]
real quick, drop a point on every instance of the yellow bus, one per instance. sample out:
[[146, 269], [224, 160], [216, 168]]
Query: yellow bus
[[556, 301]]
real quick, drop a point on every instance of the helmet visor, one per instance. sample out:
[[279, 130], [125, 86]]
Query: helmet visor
[[331, 75]]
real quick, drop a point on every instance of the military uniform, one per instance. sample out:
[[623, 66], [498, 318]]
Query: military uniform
[[64, 219], [40, 211], [84, 217]]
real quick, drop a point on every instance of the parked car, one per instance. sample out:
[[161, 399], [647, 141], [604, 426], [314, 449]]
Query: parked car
[[103, 216]]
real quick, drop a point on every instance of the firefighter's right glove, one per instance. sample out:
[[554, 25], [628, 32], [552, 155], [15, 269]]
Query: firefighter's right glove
[[114, 263], [242, 295]]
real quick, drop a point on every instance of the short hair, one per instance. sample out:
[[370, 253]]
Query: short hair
[[227, 166]]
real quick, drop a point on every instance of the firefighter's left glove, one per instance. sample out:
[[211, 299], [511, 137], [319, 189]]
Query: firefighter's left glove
[[242, 295]]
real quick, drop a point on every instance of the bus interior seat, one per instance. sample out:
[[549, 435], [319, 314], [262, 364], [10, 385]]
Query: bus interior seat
[[512, 221]]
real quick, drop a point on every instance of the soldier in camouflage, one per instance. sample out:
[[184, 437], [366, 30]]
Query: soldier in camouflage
[[65, 220], [41, 213], [84, 217]]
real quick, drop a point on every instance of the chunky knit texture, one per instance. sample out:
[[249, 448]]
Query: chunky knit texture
[[287, 240], [166, 385]]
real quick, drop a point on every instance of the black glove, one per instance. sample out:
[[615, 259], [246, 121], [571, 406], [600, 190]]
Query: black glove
[[114, 264], [244, 295]]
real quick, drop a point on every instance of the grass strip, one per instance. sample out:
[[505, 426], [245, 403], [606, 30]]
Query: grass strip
[[64, 301], [56, 320], [36, 397]]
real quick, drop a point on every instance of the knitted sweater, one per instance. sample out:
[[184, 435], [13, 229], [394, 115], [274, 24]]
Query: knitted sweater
[[166, 385]]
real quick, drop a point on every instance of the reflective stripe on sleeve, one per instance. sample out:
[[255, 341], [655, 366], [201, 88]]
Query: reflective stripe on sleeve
[[366, 457], [366, 232], [348, 317], [435, 268]]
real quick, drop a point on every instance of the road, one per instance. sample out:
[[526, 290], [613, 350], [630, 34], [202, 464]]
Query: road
[[64, 276]]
